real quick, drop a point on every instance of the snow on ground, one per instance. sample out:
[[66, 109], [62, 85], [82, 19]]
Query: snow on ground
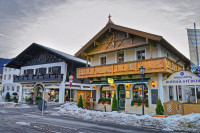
[[23, 123], [13, 105], [189, 122]]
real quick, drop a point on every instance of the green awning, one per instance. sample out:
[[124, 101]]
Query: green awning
[[127, 81]]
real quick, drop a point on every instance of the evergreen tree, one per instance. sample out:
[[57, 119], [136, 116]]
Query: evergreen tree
[[114, 103], [159, 108], [80, 102], [8, 97]]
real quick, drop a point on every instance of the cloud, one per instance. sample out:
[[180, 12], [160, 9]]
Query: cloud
[[67, 25]]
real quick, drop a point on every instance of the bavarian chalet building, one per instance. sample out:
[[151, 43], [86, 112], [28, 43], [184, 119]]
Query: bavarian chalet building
[[44, 73], [118, 52]]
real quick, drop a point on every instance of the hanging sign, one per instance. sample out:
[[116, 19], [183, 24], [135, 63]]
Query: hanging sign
[[110, 80], [182, 78]]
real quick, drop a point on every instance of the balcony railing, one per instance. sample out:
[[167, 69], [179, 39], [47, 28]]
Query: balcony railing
[[156, 65], [39, 78]]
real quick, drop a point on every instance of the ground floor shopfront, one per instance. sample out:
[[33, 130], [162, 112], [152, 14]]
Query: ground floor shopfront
[[129, 94], [52, 92]]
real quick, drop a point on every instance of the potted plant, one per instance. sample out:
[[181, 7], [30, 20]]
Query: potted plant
[[7, 99], [29, 100], [171, 97], [114, 104], [139, 102], [80, 102], [159, 110], [135, 101], [15, 98], [146, 102], [38, 99], [132, 103]]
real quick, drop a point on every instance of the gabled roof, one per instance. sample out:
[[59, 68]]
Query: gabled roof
[[34, 48], [157, 38]]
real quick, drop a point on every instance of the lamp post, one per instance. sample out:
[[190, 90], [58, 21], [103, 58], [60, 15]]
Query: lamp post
[[142, 69]]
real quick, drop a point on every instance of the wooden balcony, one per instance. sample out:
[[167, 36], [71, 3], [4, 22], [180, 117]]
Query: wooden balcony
[[156, 65], [38, 78]]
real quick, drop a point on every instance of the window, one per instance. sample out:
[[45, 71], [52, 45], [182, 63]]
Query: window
[[180, 93], [40, 71], [141, 55], [25, 72], [193, 91], [3, 88], [17, 88], [29, 71], [128, 94], [107, 92], [8, 88], [55, 70], [137, 91], [4, 77], [120, 57], [9, 77], [103, 60], [13, 88], [171, 95], [5, 69]]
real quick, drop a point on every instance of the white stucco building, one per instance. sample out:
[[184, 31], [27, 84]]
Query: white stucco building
[[7, 82]]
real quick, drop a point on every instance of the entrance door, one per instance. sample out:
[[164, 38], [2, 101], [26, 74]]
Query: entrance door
[[198, 94], [86, 95], [121, 97]]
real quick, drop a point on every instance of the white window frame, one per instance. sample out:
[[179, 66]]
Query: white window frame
[[140, 49]]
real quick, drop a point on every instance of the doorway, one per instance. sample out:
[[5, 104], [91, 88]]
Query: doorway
[[121, 97]]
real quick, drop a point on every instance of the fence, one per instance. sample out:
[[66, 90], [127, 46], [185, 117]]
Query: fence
[[174, 107]]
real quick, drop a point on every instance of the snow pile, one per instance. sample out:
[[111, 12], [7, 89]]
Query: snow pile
[[23, 123], [177, 122], [24, 106], [11, 105]]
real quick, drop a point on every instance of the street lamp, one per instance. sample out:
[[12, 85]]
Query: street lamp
[[142, 69]]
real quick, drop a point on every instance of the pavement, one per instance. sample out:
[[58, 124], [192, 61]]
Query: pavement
[[57, 124]]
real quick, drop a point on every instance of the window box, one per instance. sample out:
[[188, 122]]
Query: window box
[[105, 100]]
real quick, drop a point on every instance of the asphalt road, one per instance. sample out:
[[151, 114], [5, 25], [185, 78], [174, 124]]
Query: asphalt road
[[9, 117]]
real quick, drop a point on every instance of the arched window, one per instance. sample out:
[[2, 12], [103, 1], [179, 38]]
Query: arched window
[[137, 91]]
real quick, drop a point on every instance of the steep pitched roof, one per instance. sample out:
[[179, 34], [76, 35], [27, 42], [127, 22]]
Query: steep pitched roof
[[34, 48], [157, 38]]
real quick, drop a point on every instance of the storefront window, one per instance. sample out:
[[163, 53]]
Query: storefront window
[[54, 95], [180, 92], [127, 94], [107, 92], [137, 91], [171, 95]]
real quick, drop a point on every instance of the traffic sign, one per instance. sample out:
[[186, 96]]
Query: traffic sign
[[42, 103], [70, 84], [71, 77]]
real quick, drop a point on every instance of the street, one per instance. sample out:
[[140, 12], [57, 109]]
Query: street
[[9, 117]]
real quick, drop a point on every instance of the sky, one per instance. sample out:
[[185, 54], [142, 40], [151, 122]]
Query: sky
[[67, 25]]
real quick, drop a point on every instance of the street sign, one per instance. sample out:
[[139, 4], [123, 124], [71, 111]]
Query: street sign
[[71, 77], [110, 80], [70, 84], [42, 103]]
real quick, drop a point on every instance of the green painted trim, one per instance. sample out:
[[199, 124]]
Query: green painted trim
[[121, 81]]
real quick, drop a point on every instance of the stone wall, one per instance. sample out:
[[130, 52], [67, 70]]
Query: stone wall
[[138, 109], [100, 106]]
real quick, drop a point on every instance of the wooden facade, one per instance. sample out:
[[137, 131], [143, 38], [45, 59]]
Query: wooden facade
[[156, 65]]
